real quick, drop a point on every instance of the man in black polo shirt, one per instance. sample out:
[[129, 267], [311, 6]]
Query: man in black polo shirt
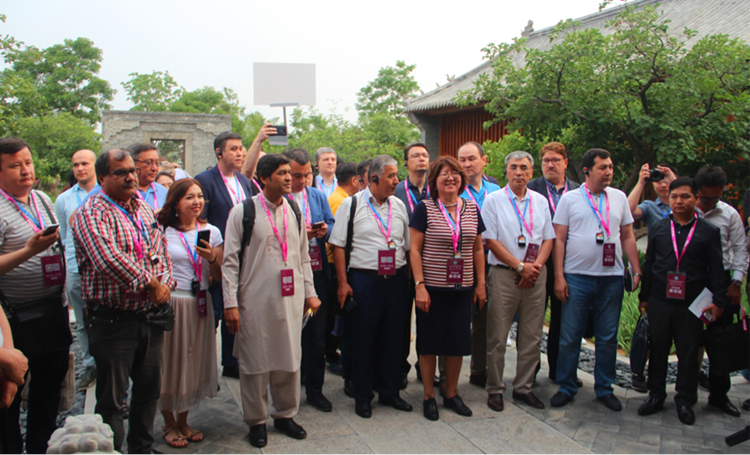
[[683, 257]]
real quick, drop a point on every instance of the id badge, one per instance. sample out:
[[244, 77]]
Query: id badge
[[53, 270], [287, 282], [532, 251], [316, 261], [676, 283], [386, 262], [202, 304], [455, 271], [608, 255]]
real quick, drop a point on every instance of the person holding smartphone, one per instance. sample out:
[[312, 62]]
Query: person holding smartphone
[[190, 373]]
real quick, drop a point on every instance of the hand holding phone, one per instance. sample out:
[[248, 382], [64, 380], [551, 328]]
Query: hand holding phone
[[317, 225], [51, 229]]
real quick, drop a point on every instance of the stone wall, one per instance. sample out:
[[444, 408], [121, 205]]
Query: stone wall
[[121, 129]]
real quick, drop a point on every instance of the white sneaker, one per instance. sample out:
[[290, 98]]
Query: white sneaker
[[583, 341]]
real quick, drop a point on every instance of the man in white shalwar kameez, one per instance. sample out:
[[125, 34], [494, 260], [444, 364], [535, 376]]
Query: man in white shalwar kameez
[[266, 314]]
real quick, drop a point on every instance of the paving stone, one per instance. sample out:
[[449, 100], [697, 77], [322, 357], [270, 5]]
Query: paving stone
[[634, 447], [670, 447], [601, 426], [585, 434], [651, 438], [602, 446], [631, 429], [346, 444], [689, 448]]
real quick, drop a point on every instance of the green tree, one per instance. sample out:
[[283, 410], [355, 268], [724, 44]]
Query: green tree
[[155, 92], [639, 92], [387, 92]]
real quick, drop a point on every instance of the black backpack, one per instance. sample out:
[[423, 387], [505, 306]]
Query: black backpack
[[248, 222]]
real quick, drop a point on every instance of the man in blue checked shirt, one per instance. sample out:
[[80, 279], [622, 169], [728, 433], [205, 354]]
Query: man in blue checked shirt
[[65, 205], [649, 212]]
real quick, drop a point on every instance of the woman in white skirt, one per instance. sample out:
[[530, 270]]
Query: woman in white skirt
[[190, 369]]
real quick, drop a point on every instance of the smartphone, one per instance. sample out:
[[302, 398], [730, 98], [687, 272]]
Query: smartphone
[[280, 130], [204, 235], [317, 225], [349, 304], [50, 229]]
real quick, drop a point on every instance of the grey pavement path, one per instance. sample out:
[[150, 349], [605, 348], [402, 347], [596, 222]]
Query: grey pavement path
[[584, 426]]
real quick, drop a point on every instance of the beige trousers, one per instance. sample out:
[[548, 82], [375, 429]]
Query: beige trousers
[[505, 299], [285, 392]]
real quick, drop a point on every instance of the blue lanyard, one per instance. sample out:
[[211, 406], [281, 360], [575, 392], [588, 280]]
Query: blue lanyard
[[375, 211], [601, 204], [142, 227], [516, 211], [664, 215], [39, 223]]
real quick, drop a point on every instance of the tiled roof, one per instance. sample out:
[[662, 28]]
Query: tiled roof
[[707, 17]]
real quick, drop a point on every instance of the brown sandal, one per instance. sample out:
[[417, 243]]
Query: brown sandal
[[175, 441]]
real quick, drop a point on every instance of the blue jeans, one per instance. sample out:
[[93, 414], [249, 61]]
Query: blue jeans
[[603, 296], [75, 300]]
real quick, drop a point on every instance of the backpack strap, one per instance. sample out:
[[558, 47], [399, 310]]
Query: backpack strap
[[350, 231]]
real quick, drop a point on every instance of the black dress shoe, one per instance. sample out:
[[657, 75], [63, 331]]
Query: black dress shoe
[[231, 372], [404, 381], [478, 379], [611, 402], [652, 405], [348, 388], [638, 383], [319, 402], [530, 399], [290, 428], [431, 410], [396, 403], [363, 409], [746, 405], [495, 402], [560, 399], [457, 404], [579, 383], [258, 436], [725, 405], [685, 414]]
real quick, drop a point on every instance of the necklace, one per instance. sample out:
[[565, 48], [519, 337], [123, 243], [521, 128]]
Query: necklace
[[450, 205]]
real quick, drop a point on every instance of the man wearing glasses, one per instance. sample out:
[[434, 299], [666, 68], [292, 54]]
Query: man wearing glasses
[[146, 158]]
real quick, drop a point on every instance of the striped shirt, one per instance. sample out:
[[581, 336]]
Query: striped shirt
[[108, 261], [437, 248], [25, 282]]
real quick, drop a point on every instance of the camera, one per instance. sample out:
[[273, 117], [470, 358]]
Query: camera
[[656, 175]]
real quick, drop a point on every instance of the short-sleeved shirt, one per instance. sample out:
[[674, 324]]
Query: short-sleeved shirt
[[503, 223], [155, 195], [480, 195], [368, 238], [653, 211], [437, 248], [65, 205], [182, 268], [583, 256]]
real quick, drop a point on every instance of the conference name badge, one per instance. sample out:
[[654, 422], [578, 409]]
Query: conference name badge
[[455, 271], [287, 283], [676, 284], [316, 262], [608, 255], [202, 304], [532, 251], [53, 270], [386, 262]]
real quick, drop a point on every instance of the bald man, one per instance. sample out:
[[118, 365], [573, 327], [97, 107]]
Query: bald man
[[66, 204]]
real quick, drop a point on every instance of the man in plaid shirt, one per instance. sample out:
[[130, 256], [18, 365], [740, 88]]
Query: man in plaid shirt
[[125, 268]]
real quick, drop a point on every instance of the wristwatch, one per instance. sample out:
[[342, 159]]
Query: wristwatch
[[417, 283], [737, 283], [638, 275], [519, 267]]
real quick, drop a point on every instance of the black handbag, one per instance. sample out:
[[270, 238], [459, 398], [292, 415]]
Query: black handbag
[[40, 326], [158, 316], [728, 346], [639, 345]]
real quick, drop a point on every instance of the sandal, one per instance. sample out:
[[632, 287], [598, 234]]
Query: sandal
[[194, 436], [177, 442]]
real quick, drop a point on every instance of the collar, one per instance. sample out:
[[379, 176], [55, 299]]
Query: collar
[[681, 226], [552, 186], [416, 188], [372, 198], [515, 196], [341, 191], [124, 205], [470, 187], [717, 209]]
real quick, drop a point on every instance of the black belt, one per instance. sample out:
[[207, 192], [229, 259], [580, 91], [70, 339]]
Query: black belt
[[503, 266], [105, 312], [375, 272]]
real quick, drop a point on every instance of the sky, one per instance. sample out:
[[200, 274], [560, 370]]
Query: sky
[[215, 43]]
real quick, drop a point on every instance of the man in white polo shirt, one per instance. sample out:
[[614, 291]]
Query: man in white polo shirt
[[598, 226], [520, 237]]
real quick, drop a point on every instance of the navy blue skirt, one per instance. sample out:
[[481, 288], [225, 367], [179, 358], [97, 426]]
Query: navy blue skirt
[[446, 328]]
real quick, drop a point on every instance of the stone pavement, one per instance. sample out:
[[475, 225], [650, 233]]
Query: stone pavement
[[584, 426]]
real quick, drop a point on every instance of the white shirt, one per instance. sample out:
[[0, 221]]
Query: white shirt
[[583, 256], [182, 268], [232, 188], [733, 241], [368, 239], [502, 222]]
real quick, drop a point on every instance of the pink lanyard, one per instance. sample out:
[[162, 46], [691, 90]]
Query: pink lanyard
[[552, 200], [152, 187], [229, 187], [468, 190], [379, 221], [35, 226], [455, 228], [522, 218], [596, 211], [195, 260], [133, 229], [255, 182], [687, 241], [306, 208], [283, 243], [410, 195]]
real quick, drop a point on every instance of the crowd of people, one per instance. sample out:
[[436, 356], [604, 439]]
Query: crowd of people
[[304, 271]]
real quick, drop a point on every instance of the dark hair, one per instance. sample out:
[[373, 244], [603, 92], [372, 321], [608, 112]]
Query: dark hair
[[11, 145], [555, 147], [683, 181], [345, 172], [710, 177], [589, 158], [167, 217], [671, 168], [362, 168], [102, 162], [140, 147], [299, 156], [72, 178], [163, 173], [411, 146], [435, 169], [268, 164], [475, 144], [222, 139]]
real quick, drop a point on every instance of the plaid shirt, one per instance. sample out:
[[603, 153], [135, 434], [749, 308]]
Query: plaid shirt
[[107, 257]]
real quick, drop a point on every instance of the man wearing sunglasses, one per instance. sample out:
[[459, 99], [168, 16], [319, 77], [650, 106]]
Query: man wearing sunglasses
[[711, 182], [146, 158]]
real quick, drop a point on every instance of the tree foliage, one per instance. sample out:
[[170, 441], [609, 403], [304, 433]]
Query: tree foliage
[[154, 92], [640, 92]]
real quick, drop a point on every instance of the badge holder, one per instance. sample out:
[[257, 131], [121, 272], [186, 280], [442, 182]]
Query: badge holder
[[608, 255], [676, 285], [455, 270], [287, 282], [521, 240]]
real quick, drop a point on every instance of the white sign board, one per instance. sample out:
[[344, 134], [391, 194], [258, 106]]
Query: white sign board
[[276, 83]]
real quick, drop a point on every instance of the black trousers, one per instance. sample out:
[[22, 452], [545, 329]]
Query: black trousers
[[333, 342], [47, 372], [667, 323], [314, 339], [376, 326], [227, 339], [122, 349]]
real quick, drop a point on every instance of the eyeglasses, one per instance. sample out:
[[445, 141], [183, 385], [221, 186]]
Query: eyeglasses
[[419, 155], [445, 175], [150, 163], [122, 173], [552, 160]]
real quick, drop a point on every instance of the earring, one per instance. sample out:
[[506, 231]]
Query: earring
[[177, 213]]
